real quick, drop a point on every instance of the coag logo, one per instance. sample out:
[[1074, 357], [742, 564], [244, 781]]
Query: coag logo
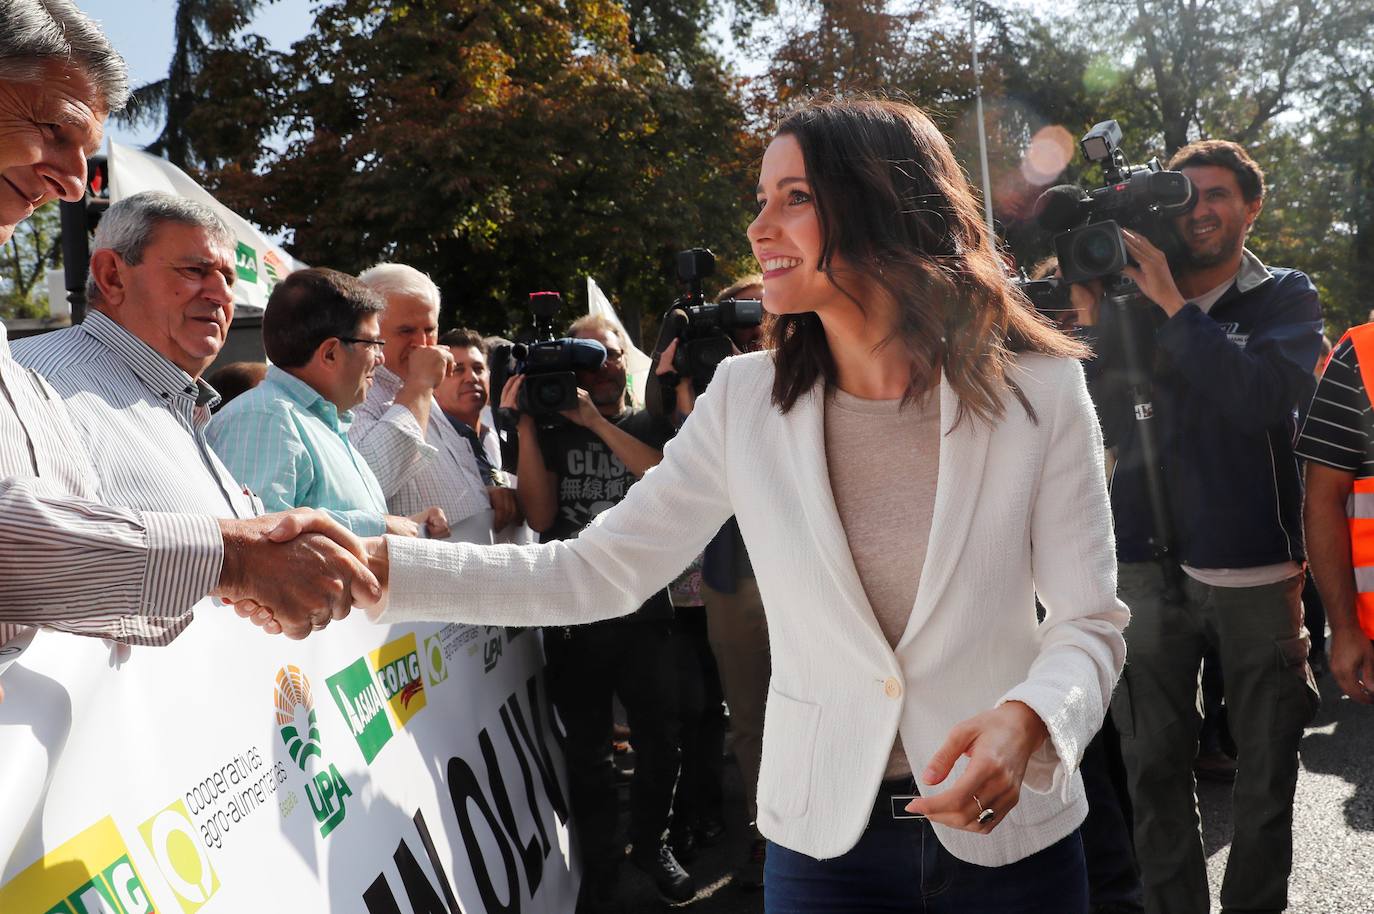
[[180, 855], [293, 697], [325, 790], [399, 677], [434, 652], [90, 874]]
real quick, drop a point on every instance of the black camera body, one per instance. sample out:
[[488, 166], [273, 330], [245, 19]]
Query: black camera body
[[1048, 296], [1143, 198], [701, 328], [549, 364]]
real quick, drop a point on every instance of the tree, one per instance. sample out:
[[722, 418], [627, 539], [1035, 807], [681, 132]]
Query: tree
[[35, 248], [198, 25], [502, 146]]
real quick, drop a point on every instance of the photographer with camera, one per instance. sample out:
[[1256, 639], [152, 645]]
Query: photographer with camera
[[1228, 345], [568, 473]]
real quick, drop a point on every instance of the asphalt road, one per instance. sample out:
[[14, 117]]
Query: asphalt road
[[1333, 866]]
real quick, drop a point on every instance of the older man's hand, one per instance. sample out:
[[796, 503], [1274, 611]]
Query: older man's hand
[[303, 566]]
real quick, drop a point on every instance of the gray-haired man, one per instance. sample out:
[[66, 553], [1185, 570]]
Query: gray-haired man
[[59, 78]]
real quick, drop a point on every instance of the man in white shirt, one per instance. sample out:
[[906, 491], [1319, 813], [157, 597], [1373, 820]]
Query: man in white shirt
[[418, 457], [140, 569]]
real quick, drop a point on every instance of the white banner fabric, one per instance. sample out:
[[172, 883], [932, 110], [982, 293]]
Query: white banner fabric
[[637, 363], [365, 770], [259, 263]]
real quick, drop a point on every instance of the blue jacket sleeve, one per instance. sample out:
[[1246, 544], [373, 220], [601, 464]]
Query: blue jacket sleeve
[[1256, 387]]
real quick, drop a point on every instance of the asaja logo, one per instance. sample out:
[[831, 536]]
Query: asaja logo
[[360, 702], [325, 790], [380, 693], [180, 855], [246, 263], [90, 874], [293, 696]]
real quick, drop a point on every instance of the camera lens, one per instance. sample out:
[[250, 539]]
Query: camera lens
[[1097, 252], [548, 394]]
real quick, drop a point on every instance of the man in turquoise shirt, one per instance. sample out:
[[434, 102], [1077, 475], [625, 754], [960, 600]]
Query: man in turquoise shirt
[[287, 439]]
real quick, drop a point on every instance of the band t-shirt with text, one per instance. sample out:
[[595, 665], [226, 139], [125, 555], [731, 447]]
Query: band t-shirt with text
[[590, 478]]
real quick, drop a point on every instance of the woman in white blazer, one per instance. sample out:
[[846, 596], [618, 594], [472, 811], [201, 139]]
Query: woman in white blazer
[[885, 286]]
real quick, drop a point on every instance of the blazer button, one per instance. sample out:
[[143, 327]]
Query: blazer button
[[892, 688]]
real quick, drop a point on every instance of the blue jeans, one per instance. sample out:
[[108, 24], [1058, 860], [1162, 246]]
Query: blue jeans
[[899, 866]]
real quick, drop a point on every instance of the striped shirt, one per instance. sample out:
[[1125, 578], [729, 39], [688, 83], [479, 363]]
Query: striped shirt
[[289, 444], [142, 418], [417, 470], [75, 565], [1339, 430]]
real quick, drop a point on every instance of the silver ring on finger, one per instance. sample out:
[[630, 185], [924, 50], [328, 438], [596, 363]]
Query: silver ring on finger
[[984, 815]]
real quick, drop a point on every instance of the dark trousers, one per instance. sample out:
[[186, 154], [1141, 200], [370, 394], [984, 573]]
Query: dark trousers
[[699, 793], [1258, 632], [899, 866], [587, 665], [1113, 875]]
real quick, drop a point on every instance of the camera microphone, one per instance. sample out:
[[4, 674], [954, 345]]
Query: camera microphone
[[1061, 207]]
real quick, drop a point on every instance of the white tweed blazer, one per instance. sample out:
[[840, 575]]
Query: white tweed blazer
[[1020, 510]]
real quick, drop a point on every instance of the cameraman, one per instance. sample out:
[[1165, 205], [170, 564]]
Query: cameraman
[[566, 477], [1232, 344]]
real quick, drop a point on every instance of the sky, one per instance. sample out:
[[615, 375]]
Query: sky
[[141, 30]]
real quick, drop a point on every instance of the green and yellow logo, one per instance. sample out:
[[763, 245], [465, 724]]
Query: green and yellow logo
[[380, 693], [246, 262], [400, 678], [172, 838], [438, 666], [90, 874]]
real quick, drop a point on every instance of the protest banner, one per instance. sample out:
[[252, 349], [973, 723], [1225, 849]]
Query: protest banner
[[367, 769]]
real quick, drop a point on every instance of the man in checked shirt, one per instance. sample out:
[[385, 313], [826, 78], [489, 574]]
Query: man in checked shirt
[[139, 570]]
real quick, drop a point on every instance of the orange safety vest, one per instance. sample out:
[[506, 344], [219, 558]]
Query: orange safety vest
[[1359, 508]]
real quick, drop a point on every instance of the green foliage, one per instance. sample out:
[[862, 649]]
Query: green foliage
[[35, 248], [503, 147], [514, 145]]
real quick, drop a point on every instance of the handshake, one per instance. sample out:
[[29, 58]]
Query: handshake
[[297, 571]]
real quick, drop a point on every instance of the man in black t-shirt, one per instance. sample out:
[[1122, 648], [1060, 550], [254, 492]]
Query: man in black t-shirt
[[567, 476]]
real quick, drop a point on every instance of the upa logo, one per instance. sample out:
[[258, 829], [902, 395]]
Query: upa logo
[[181, 856], [325, 789], [90, 874], [293, 695]]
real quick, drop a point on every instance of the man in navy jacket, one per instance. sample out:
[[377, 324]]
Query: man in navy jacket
[[1231, 346]]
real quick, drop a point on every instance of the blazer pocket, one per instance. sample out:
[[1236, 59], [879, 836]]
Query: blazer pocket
[[789, 748]]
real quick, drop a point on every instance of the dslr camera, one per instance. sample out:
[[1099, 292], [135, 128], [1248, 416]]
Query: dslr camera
[[1143, 198], [549, 364], [702, 328]]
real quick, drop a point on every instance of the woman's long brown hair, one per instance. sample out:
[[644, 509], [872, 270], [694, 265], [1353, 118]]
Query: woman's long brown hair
[[895, 207]]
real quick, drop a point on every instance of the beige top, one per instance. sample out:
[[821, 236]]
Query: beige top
[[884, 462]]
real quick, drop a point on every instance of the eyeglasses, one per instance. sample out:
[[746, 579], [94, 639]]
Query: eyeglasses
[[374, 345]]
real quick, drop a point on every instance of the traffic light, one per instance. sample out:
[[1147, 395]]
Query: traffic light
[[79, 219]]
